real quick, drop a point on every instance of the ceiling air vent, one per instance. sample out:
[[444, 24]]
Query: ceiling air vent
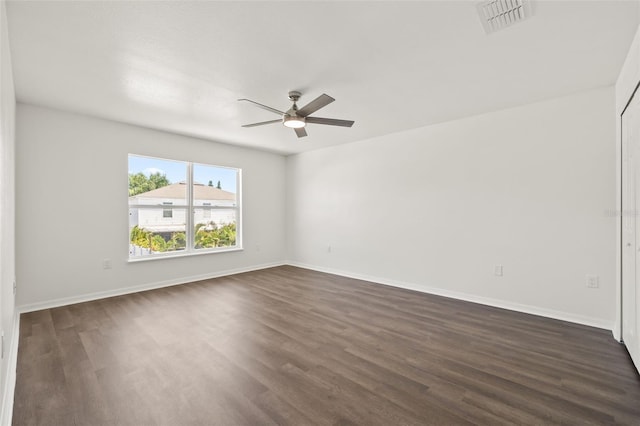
[[498, 14]]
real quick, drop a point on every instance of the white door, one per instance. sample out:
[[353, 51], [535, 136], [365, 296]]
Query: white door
[[631, 228]]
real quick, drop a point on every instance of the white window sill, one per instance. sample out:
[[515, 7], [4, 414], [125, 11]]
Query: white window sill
[[191, 253]]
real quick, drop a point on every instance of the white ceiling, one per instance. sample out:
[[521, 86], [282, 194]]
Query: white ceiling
[[181, 66]]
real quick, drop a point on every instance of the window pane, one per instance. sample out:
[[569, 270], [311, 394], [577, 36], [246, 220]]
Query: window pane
[[153, 181], [215, 186], [151, 231], [219, 230]]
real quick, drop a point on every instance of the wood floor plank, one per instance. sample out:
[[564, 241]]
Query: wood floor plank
[[289, 346]]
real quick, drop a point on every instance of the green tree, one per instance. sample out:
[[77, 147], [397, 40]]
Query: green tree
[[145, 239], [158, 243], [211, 235], [205, 236], [139, 182], [140, 237], [210, 183], [178, 241], [218, 185]]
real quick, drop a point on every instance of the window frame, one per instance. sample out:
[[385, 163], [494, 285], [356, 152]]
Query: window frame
[[190, 206]]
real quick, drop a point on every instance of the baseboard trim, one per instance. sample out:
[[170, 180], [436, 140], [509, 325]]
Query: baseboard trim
[[497, 303], [55, 303], [6, 416]]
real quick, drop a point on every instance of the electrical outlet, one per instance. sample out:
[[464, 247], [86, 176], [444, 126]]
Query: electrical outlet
[[15, 287], [497, 270], [257, 247], [106, 263], [329, 248], [593, 281]]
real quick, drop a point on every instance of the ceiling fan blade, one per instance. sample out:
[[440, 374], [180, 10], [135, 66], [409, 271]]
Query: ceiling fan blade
[[268, 108], [329, 121], [319, 102], [301, 132], [262, 123]]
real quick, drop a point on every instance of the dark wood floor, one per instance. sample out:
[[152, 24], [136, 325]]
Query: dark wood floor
[[291, 346]]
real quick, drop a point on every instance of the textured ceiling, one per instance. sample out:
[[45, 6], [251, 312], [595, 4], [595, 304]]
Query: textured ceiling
[[181, 66]]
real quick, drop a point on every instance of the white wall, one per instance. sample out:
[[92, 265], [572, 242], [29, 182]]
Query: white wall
[[436, 208], [7, 220], [72, 207]]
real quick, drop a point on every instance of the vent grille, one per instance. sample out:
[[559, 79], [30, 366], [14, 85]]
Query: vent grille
[[498, 14]]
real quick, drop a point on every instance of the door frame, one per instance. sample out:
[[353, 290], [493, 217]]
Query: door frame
[[617, 332]]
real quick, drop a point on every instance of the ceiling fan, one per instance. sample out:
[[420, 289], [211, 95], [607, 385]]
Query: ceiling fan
[[296, 118]]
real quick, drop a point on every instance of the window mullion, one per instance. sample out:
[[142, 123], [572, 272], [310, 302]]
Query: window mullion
[[189, 216], [238, 207]]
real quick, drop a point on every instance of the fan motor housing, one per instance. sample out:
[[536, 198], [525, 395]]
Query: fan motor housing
[[294, 95]]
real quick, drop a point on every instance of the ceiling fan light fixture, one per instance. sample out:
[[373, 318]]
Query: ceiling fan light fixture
[[293, 121]]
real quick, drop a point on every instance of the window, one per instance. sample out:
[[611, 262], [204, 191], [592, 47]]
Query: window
[[175, 208], [167, 212]]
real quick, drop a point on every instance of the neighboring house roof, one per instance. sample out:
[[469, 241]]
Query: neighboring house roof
[[179, 190]]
